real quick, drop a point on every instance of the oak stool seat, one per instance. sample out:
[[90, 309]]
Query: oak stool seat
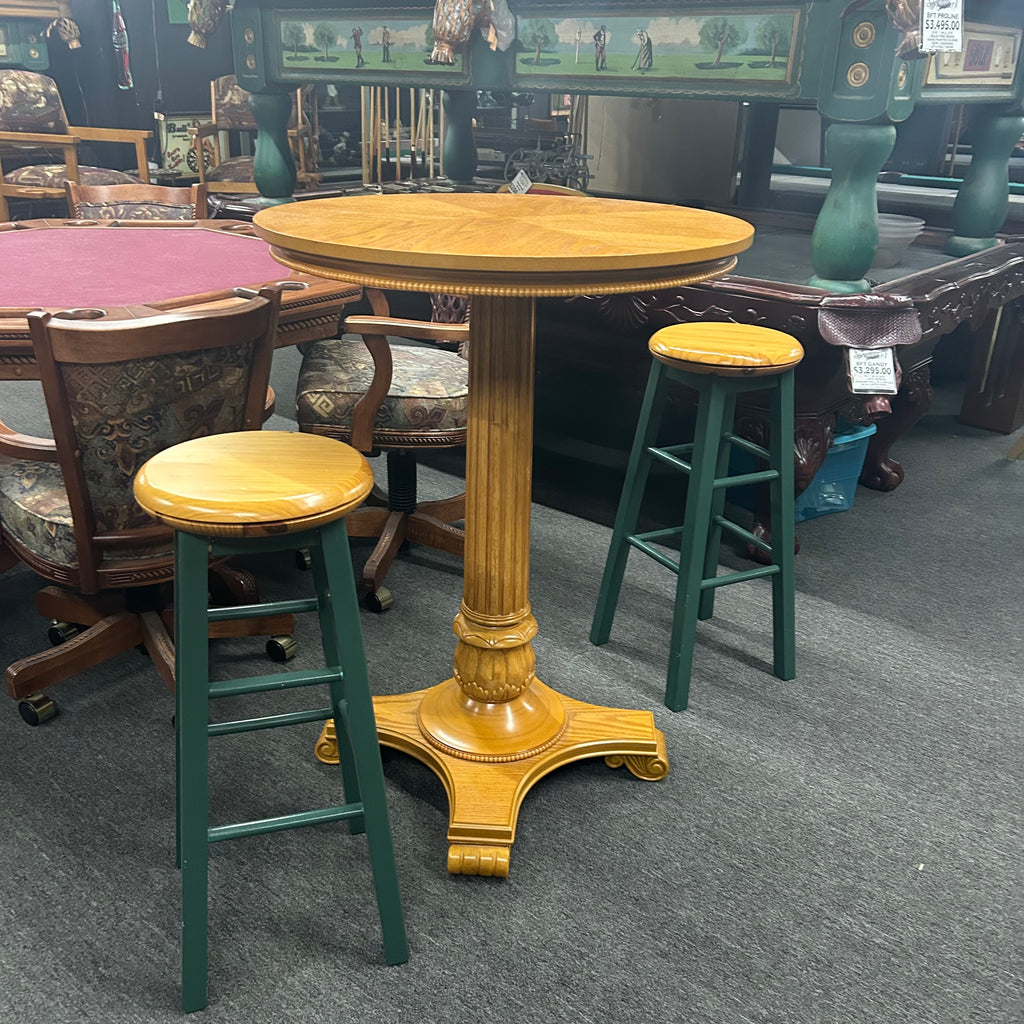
[[719, 361], [244, 493]]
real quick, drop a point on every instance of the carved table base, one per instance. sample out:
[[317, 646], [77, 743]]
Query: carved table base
[[484, 791]]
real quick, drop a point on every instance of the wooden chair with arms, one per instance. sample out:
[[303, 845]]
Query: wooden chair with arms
[[33, 124], [117, 392], [135, 202], [230, 112]]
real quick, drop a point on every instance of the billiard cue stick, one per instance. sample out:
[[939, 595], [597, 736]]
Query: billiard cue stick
[[440, 137], [365, 138], [412, 134], [378, 141], [397, 133], [387, 127]]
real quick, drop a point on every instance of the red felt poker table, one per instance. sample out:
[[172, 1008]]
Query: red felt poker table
[[134, 268]]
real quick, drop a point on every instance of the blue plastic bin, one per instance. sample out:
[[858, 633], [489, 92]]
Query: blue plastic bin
[[835, 483], [833, 486]]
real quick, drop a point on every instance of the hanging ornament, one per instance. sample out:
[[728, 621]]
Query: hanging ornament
[[203, 17], [120, 37], [65, 26]]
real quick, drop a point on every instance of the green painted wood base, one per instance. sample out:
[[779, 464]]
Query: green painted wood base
[[983, 198], [273, 165], [350, 708], [459, 144], [706, 464], [846, 232]]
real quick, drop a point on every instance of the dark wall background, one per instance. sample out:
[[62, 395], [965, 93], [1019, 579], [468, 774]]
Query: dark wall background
[[169, 74]]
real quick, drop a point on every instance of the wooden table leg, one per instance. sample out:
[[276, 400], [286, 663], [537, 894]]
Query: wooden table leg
[[493, 729]]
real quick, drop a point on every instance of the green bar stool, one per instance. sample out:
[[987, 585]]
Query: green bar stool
[[719, 361], [241, 493]]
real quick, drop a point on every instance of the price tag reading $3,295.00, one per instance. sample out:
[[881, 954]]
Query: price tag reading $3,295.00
[[942, 25], [871, 371]]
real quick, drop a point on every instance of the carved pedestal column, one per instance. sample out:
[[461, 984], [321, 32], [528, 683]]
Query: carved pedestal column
[[273, 165], [982, 201], [846, 232]]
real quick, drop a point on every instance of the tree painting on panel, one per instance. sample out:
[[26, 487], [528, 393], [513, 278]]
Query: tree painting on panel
[[293, 36], [773, 35], [325, 37], [537, 34], [721, 34]]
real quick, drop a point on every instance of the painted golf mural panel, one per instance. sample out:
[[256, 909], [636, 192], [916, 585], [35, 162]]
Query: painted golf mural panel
[[722, 47]]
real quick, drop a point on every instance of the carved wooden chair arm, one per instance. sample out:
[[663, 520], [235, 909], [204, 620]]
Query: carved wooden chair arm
[[110, 134], [39, 138], [24, 446], [419, 330], [133, 136], [366, 408]]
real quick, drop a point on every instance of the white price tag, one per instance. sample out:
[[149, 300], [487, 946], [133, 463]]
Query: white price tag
[[942, 25], [872, 371], [520, 183]]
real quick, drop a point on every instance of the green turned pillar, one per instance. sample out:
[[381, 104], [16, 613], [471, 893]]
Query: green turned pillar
[[459, 144], [846, 231], [981, 204], [273, 165]]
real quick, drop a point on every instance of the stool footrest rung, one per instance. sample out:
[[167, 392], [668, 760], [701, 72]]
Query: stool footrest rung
[[759, 476], [671, 456], [269, 721], [639, 541], [299, 819], [275, 681], [738, 531], [248, 611], [748, 446], [738, 577]]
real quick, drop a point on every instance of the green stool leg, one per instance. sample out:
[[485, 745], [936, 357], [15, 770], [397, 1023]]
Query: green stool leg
[[333, 657], [629, 504], [693, 543], [783, 523], [706, 607], [361, 731], [192, 675]]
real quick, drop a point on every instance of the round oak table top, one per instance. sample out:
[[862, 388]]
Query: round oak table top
[[503, 244]]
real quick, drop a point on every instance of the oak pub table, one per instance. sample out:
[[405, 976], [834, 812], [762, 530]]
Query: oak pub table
[[493, 729]]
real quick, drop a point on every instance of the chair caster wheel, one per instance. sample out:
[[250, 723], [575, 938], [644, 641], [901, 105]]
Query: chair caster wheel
[[303, 560], [61, 632], [36, 708], [379, 600], [282, 648]]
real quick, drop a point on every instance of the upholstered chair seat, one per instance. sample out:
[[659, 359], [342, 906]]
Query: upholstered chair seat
[[428, 394], [398, 399], [56, 176]]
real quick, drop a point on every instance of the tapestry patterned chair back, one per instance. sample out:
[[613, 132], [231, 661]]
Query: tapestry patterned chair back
[[30, 102], [118, 392]]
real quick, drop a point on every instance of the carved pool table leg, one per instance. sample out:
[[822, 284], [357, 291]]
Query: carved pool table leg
[[881, 472], [812, 434]]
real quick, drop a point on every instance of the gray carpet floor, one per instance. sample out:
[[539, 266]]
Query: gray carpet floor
[[844, 848]]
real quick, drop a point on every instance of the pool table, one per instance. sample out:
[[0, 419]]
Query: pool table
[[856, 61], [131, 268]]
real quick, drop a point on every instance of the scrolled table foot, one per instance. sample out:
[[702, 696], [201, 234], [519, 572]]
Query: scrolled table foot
[[326, 749], [489, 861], [651, 767]]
